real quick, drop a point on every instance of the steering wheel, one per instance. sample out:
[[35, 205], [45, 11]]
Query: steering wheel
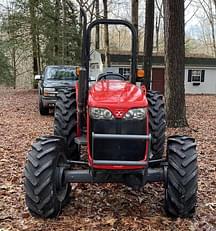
[[108, 76]]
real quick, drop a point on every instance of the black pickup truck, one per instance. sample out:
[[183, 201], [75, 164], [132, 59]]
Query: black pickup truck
[[51, 81]]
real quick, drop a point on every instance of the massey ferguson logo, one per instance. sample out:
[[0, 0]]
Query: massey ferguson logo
[[119, 113]]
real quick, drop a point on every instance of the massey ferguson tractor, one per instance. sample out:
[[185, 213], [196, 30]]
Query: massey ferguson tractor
[[122, 126]]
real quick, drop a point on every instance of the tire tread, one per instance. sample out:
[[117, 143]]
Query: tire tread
[[39, 182], [157, 124], [181, 186], [65, 121]]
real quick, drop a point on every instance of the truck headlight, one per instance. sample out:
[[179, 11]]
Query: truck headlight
[[100, 113], [137, 114], [49, 91]]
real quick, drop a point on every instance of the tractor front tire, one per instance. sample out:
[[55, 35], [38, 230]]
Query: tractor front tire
[[43, 110], [181, 182], [45, 190], [65, 121], [157, 124]]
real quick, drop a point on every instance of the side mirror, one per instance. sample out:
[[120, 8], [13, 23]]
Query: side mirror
[[37, 77]]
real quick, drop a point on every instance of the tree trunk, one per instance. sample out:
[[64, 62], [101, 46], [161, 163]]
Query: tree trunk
[[135, 18], [157, 30], [212, 23], [63, 30], [14, 67], [158, 20], [38, 53], [57, 29], [33, 28], [174, 63], [106, 37], [148, 41], [213, 38], [97, 32]]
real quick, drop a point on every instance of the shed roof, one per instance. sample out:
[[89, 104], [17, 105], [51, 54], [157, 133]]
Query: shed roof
[[123, 58]]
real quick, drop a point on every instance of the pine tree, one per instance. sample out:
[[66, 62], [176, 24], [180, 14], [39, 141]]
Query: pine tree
[[5, 68]]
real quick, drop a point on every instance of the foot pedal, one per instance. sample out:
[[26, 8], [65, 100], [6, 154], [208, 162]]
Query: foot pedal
[[81, 140]]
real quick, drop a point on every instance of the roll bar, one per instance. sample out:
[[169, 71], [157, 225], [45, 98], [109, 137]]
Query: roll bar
[[114, 22], [85, 58]]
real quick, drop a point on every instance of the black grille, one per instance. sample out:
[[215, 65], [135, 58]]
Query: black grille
[[115, 149]]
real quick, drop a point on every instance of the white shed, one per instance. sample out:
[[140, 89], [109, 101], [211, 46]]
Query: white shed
[[200, 72], [200, 80]]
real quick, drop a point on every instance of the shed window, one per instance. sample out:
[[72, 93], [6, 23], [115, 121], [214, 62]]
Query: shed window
[[196, 76]]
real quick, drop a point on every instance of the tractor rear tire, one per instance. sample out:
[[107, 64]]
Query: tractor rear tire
[[46, 194], [157, 124], [65, 121], [181, 182]]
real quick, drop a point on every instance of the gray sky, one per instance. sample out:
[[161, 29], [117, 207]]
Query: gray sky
[[122, 8]]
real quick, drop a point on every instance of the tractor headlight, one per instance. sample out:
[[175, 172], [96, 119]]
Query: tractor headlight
[[49, 91], [137, 114], [100, 113]]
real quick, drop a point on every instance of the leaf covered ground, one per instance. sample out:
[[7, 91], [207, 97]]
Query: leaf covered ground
[[100, 207]]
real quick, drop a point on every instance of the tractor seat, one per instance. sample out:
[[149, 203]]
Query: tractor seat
[[111, 76]]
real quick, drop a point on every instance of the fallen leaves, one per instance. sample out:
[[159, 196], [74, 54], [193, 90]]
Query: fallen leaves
[[100, 207]]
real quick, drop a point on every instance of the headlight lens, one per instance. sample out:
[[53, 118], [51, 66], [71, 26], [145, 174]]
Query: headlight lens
[[49, 91], [137, 113], [100, 113]]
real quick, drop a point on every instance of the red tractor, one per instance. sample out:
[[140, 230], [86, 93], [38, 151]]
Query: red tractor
[[123, 127]]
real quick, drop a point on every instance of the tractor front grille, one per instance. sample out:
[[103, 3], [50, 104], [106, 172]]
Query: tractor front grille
[[118, 149]]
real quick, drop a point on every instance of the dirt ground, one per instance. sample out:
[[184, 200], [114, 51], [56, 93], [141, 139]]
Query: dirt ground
[[104, 207]]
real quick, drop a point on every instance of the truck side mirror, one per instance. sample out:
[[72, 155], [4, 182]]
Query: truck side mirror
[[37, 77]]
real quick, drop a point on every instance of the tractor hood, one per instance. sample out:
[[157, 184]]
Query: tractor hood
[[116, 94]]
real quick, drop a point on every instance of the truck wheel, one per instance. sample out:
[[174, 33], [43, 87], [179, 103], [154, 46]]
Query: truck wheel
[[65, 121], [45, 192], [157, 124], [43, 110], [181, 182]]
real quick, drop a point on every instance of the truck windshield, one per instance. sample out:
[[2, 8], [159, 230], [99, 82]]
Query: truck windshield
[[60, 73]]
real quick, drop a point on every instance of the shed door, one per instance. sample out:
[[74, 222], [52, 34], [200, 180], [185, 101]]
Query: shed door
[[158, 80]]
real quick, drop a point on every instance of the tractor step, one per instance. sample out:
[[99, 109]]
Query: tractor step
[[81, 140]]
